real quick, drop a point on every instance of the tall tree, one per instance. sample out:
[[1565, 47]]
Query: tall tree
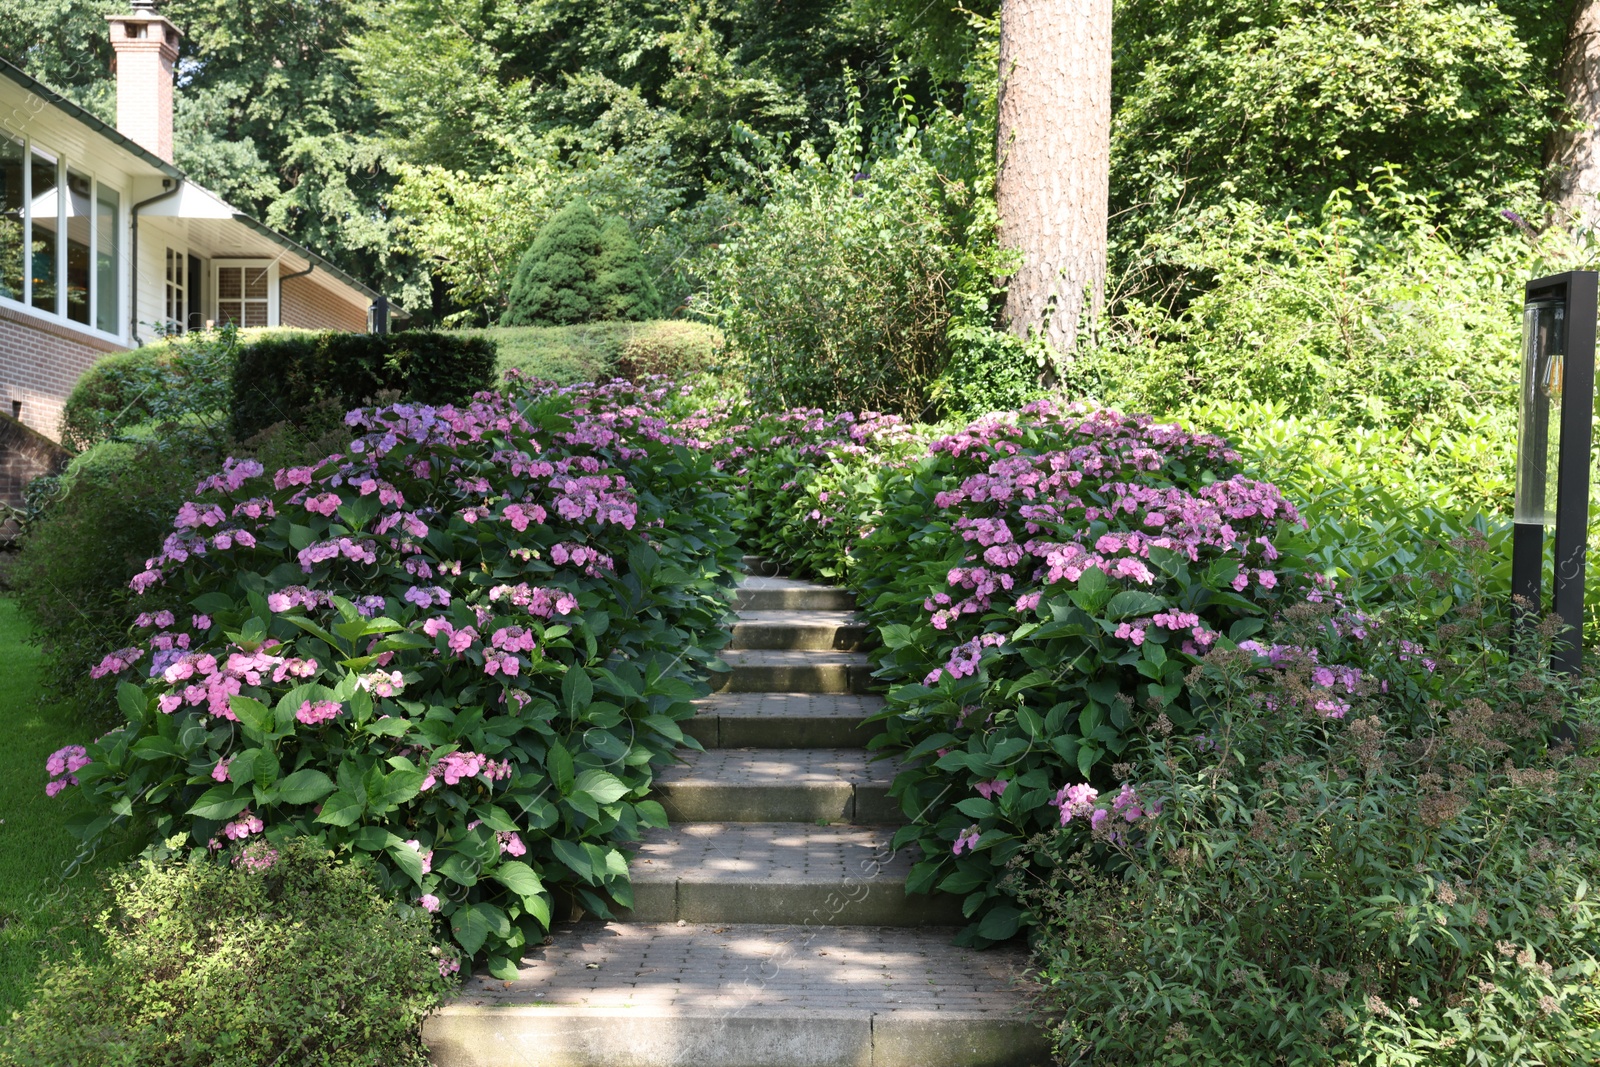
[[1572, 154], [1053, 183]]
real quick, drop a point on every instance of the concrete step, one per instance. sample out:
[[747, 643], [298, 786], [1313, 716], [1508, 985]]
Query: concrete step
[[799, 630], [779, 785], [783, 720], [643, 995], [787, 594], [781, 872], [758, 565], [780, 671]]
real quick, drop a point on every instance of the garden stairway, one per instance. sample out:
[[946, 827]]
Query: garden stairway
[[771, 927]]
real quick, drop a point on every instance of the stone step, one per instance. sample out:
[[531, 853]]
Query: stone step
[[783, 872], [783, 720], [783, 671], [779, 785], [758, 565], [787, 594], [643, 995], [799, 630]]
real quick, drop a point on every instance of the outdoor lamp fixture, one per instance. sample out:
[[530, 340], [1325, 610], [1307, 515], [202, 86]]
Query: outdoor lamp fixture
[[1553, 440], [378, 315]]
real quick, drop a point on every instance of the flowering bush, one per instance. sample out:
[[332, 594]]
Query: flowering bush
[[1406, 879], [1042, 585], [460, 649], [280, 956]]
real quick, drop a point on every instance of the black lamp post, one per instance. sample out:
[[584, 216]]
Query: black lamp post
[[1553, 441]]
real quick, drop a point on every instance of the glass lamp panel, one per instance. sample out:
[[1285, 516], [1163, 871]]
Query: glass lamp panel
[[1539, 425]]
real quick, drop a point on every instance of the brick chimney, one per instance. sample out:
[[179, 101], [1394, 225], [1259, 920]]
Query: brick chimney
[[145, 46]]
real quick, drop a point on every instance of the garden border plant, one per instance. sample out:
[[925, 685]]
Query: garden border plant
[[461, 650]]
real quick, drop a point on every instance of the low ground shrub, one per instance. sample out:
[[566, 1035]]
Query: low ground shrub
[[1369, 850], [290, 378], [459, 647], [599, 351], [280, 956]]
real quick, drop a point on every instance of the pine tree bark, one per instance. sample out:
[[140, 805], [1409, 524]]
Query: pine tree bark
[[1054, 150], [1572, 182]]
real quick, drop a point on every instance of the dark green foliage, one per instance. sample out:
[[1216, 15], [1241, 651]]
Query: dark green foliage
[[306, 378], [622, 285], [989, 370], [1282, 102], [555, 280], [302, 963]]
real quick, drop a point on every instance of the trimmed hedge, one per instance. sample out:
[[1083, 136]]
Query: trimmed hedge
[[280, 379], [596, 351]]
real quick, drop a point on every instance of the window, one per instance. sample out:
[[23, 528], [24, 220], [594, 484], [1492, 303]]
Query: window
[[177, 316], [107, 251], [44, 211], [79, 209], [13, 182], [60, 237], [246, 293]]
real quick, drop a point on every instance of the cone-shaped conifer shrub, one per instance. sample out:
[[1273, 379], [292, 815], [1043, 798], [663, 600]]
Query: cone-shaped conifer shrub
[[622, 285], [554, 283]]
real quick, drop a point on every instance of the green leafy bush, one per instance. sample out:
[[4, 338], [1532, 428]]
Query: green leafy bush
[[460, 646], [282, 956], [838, 288], [175, 378], [1364, 312], [1281, 102], [293, 378], [1370, 850]]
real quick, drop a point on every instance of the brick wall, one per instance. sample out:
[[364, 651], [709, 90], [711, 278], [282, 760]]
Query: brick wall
[[305, 304], [24, 456], [40, 362]]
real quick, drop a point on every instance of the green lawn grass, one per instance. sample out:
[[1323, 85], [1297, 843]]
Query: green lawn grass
[[48, 896]]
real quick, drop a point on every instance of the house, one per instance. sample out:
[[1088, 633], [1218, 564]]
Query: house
[[106, 245]]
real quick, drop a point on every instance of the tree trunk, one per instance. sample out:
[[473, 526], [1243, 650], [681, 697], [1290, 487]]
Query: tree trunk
[[1572, 156], [1055, 161]]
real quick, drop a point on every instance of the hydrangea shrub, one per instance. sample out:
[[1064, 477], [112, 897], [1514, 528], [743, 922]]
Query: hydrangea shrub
[[461, 649], [1042, 582]]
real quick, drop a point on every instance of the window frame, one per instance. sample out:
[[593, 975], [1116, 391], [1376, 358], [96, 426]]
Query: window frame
[[57, 315], [214, 298]]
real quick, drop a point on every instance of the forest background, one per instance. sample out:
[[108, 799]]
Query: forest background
[[420, 145], [1321, 211]]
